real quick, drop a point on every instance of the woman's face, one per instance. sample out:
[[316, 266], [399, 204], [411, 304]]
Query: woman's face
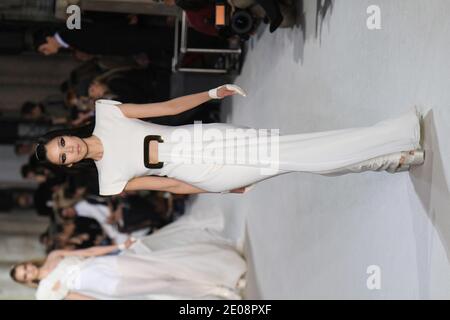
[[26, 272], [66, 150]]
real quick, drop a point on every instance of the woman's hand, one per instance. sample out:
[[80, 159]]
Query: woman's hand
[[243, 189], [130, 241], [238, 190], [50, 47], [225, 91]]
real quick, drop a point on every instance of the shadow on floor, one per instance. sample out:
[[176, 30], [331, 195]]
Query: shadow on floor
[[323, 7], [306, 21], [252, 291], [431, 186]]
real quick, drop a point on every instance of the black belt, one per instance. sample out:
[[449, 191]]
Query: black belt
[[147, 163]]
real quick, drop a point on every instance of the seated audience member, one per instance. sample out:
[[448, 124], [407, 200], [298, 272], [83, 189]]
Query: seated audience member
[[135, 211], [38, 112], [105, 39], [43, 199], [11, 199], [79, 233], [132, 85], [37, 174], [101, 214], [24, 147]]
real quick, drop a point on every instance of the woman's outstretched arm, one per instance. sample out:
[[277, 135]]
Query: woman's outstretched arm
[[168, 185], [156, 183], [171, 107], [90, 252]]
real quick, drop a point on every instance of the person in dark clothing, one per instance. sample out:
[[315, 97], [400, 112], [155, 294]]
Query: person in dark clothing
[[54, 114], [14, 130], [12, 39], [131, 85], [139, 212], [105, 39], [87, 231], [272, 10], [78, 233], [43, 199]]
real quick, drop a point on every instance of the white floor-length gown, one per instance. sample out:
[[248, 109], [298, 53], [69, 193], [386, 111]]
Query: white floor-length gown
[[183, 260], [328, 153]]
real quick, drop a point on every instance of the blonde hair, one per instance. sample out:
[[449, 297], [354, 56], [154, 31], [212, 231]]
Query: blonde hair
[[32, 284], [107, 76]]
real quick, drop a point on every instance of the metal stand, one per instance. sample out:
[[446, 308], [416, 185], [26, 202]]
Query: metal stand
[[181, 49]]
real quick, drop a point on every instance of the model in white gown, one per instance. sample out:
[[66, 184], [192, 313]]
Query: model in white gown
[[180, 261], [328, 153]]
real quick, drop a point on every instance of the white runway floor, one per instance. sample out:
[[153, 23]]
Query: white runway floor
[[308, 236]]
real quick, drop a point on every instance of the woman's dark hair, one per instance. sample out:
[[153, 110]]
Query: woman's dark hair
[[85, 166], [81, 132]]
